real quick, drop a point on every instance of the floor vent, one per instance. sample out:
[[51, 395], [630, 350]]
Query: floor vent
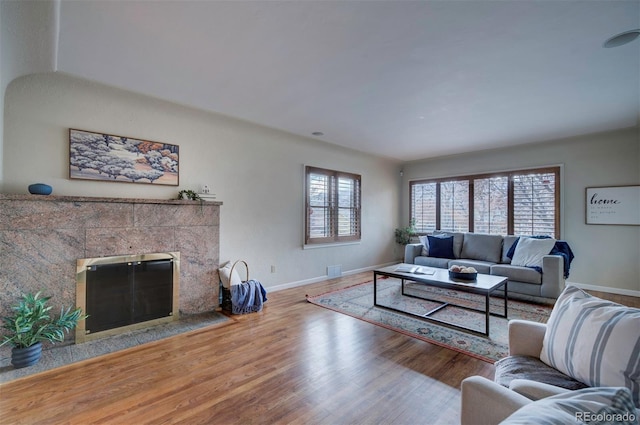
[[334, 271]]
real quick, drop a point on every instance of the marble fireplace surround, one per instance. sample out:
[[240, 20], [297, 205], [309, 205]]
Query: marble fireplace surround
[[41, 237]]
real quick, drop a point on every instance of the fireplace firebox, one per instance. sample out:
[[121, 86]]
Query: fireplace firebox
[[123, 293]]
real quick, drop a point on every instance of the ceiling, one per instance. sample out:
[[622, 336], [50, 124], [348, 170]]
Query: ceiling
[[399, 79]]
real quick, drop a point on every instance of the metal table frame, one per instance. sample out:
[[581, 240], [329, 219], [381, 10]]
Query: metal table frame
[[448, 284]]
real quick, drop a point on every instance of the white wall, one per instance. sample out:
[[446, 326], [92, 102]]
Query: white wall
[[255, 171], [28, 44], [3, 85], [606, 256]]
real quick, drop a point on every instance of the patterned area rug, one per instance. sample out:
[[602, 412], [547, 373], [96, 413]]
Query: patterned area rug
[[357, 301]]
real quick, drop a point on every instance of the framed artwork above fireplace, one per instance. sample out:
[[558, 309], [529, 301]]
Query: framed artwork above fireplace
[[107, 157]]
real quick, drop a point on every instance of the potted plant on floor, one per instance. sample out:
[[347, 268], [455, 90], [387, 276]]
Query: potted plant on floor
[[404, 234], [31, 323]]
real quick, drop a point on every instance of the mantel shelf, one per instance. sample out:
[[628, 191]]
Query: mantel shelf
[[59, 198]]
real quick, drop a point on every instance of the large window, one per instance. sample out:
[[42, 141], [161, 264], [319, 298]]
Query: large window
[[524, 202], [491, 207], [332, 206], [454, 205]]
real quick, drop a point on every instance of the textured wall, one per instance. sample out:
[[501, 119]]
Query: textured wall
[[41, 237]]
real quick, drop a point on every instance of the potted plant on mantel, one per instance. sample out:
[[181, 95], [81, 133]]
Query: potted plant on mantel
[[31, 323]]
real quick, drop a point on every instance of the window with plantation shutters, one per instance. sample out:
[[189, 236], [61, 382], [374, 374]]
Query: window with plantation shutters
[[491, 209], [423, 206], [454, 206], [332, 206], [523, 202], [534, 204]]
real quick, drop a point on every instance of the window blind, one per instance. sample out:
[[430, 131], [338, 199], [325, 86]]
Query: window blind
[[332, 206], [522, 202]]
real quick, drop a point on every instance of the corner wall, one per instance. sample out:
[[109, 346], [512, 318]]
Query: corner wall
[[28, 44], [606, 256], [257, 172]]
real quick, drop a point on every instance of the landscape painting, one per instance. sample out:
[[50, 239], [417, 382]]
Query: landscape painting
[[98, 156]]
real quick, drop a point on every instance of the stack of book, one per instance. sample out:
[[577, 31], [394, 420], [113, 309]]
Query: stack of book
[[409, 268], [207, 196]]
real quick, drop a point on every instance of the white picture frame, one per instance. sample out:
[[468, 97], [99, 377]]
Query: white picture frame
[[615, 205]]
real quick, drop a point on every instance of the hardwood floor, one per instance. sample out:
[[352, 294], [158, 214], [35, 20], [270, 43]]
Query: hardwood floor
[[620, 299], [291, 363]]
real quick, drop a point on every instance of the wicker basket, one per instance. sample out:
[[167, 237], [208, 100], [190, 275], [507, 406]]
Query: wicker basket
[[225, 302]]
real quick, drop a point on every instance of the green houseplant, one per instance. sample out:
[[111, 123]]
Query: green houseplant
[[31, 323], [189, 194], [404, 234]]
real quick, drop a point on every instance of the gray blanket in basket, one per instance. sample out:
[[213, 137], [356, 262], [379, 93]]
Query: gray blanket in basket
[[247, 297]]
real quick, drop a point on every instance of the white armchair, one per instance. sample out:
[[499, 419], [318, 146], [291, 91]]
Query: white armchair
[[486, 402], [525, 338], [587, 370]]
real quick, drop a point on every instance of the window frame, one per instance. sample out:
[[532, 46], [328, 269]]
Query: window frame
[[554, 169], [333, 207]]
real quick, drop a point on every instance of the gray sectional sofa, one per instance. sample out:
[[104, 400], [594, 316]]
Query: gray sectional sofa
[[488, 255]]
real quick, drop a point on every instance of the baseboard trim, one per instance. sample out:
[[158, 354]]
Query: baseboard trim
[[607, 289], [323, 278]]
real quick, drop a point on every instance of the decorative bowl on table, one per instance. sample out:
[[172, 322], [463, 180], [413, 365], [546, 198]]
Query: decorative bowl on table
[[463, 276], [463, 273]]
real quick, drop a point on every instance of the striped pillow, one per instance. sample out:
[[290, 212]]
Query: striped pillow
[[594, 341], [604, 406]]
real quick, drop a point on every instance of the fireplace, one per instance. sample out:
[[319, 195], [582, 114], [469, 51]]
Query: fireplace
[[122, 293], [42, 237]]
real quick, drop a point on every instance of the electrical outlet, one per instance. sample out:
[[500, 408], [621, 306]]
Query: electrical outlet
[[273, 269]]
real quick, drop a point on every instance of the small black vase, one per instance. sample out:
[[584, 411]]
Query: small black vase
[[23, 357]]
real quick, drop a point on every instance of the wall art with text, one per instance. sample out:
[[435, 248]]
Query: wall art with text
[[613, 205]]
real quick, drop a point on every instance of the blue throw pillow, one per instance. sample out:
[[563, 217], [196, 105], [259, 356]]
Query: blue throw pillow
[[441, 247]]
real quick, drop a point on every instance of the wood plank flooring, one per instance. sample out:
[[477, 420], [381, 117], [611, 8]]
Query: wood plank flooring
[[291, 363]]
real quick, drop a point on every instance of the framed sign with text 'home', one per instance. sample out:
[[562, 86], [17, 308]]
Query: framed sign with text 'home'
[[613, 205]]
